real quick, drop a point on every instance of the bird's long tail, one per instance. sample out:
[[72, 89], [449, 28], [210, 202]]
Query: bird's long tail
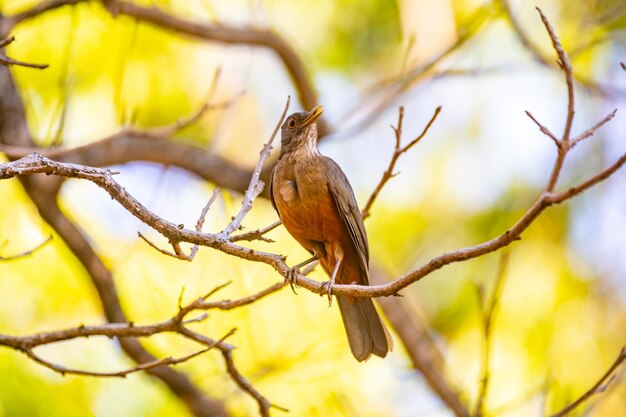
[[366, 332]]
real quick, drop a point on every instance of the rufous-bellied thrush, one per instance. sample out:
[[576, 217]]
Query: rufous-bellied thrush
[[316, 204]]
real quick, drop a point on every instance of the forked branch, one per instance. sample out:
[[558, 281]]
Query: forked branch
[[398, 150]]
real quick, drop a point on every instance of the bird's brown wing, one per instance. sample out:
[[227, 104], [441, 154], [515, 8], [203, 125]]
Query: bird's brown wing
[[348, 209]]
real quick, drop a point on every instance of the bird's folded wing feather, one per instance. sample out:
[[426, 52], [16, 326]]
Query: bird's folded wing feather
[[348, 209]]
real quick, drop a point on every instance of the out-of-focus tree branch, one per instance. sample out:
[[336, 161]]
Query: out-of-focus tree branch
[[26, 344], [14, 131], [220, 241], [386, 91], [217, 32], [488, 313], [25, 253], [6, 61], [125, 332], [597, 388], [590, 84], [153, 145], [420, 347]]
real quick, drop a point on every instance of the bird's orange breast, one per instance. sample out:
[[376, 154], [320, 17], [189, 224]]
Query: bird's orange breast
[[305, 205]]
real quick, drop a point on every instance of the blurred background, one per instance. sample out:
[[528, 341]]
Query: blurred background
[[561, 318]]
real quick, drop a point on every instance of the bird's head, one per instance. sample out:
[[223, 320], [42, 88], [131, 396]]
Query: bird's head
[[299, 132]]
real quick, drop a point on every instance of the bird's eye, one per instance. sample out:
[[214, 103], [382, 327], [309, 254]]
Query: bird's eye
[[291, 124]]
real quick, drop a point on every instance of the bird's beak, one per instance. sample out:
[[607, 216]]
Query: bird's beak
[[313, 115]]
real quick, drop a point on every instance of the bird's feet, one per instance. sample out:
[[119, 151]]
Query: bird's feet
[[328, 285], [294, 271], [292, 275]]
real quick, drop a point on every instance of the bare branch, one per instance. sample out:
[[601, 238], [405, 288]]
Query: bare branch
[[40, 8], [392, 88], [38, 164], [170, 130], [7, 41], [598, 387], [544, 129], [488, 317], [200, 221], [420, 347], [592, 130], [256, 185], [178, 251], [5, 60], [257, 234], [28, 252], [135, 145], [168, 361], [398, 150], [236, 376], [127, 330], [201, 304], [566, 66], [585, 185], [592, 85], [219, 32], [244, 384]]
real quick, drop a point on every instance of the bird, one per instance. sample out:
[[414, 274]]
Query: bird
[[317, 206]]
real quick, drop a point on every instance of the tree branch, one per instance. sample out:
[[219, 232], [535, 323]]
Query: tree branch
[[5, 60], [420, 347], [597, 388], [592, 85], [168, 361], [27, 253], [488, 317], [398, 150], [566, 66], [14, 131], [219, 32], [256, 186]]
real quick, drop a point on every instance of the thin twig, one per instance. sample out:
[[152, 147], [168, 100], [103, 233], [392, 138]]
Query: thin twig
[[596, 388], [210, 32], [7, 41], [256, 185], [392, 88], [589, 132], [5, 60], [168, 361], [590, 84], [488, 318], [544, 129], [566, 66], [231, 304], [258, 234], [398, 150], [236, 376], [27, 253], [35, 163], [170, 130], [201, 219], [178, 252]]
